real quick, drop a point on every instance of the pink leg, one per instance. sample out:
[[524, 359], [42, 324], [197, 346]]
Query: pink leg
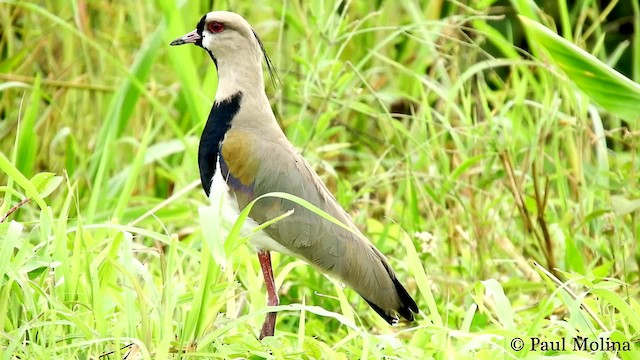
[[269, 325]]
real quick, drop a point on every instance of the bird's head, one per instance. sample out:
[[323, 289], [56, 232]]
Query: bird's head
[[230, 41]]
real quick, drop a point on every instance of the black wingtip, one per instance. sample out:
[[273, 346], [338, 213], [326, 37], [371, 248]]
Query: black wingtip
[[409, 306], [390, 319]]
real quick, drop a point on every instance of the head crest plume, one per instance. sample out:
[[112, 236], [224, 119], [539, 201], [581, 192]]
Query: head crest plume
[[275, 79]]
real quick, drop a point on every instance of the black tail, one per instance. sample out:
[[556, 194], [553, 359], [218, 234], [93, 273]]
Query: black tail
[[407, 306]]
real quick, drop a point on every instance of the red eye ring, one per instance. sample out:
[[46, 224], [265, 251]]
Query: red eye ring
[[215, 27]]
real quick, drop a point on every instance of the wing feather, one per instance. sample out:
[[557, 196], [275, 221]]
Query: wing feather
[[346, 255]]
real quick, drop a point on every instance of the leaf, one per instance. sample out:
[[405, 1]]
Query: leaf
[[10, 241], [27, 136], [45, 183], [617, 336], [604, 85], [496, 38], [623, 206], [8, 168], [502, 304], [212, 233], [13, 84], [218, 332], [37, 267], [625, 310]]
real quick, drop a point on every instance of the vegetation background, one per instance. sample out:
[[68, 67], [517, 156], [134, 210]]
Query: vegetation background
[[497, 169]]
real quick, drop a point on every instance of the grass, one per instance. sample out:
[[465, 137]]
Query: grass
[[505, 197]]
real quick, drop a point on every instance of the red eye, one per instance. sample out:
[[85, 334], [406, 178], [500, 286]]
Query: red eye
[[216, 27]]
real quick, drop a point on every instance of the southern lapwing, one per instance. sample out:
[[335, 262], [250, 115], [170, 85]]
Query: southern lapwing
[[244, 154]]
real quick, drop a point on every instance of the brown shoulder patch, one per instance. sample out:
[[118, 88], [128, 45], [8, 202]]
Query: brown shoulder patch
[[237, 151]]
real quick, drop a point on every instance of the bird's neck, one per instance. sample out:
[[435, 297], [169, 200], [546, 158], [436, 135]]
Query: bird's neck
[[255, 112], [240, 76]]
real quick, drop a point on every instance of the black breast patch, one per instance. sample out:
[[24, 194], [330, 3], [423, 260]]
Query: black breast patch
[[218, 123]]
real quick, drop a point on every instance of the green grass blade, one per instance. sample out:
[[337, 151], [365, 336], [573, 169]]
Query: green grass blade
[[7, 167], [607, 87], [27, 137]]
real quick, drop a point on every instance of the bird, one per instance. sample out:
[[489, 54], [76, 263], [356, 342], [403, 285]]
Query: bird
[[243, 154]]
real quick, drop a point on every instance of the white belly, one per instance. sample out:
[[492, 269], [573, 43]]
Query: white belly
[[226, 204]]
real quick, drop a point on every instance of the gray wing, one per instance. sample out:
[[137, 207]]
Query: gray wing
[[346, 255]]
